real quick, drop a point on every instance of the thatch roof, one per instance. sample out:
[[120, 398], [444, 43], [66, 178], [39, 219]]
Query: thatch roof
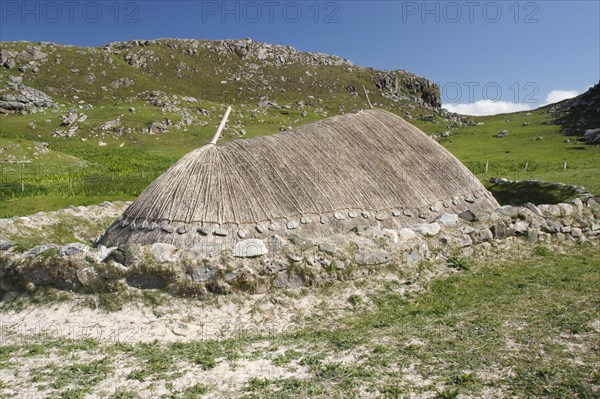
[[368, 168]]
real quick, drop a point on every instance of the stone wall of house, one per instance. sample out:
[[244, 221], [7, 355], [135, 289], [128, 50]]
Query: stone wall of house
[[292, 261]]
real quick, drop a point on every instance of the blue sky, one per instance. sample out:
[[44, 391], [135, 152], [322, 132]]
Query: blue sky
[[515, 54]]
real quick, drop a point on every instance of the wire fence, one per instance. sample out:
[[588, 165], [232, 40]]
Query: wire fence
[[22, 180], [64, 180]]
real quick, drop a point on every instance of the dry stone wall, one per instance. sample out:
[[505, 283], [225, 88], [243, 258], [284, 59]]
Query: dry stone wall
[[292, 261]]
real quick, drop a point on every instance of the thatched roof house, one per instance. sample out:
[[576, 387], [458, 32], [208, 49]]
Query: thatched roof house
[[368, 168]]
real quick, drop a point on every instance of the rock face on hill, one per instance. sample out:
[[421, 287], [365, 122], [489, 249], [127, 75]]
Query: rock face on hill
[[230, 71], [580, 116], [24, 99]]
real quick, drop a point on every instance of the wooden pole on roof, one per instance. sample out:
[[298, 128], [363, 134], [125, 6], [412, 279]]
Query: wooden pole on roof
[[221, 126], [367, 94]]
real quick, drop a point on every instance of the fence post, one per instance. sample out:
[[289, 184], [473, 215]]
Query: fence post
[[487, 165], [565, 166], [526, 165], [22, 182]]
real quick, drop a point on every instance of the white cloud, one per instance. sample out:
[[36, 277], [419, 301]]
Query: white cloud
[[486, 107], [558, 95]]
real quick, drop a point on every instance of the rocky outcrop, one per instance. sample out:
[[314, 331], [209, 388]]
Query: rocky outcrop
[[29, 59], [24, 99], [138, 51], [404, 85], [579, 115]]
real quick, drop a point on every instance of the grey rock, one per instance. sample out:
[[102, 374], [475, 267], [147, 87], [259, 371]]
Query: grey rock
[[521, 227], [6, 244], [328, 248], [295, 258], [467, 229], [381, 216], [292, 224], [69, 119], [110, 124], [162, 252], [502, 134], [550, 211], [250, 248], [464, 240], [374, 257], [508, 210], [566, 209], [534, 209], [203, 274], [10, 63], [468, 215], [578, 204], [301, 243], [592, 203], [35, 251], [133, 254], [426, 229], [532, 235], [592, 136], [448, 219], [337, 239], [72, 249], [406, 234], [481, 235], [552, 226], [284, 280], [103, 253], [167, 229], [501, 230]]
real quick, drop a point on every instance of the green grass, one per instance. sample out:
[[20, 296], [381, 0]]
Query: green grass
[[474, 145]]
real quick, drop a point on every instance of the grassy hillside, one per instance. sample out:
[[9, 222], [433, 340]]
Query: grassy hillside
[[529, 141], [183, 86]]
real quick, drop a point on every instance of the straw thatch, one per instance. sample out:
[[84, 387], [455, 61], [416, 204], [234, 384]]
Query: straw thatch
[[368, 168]]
